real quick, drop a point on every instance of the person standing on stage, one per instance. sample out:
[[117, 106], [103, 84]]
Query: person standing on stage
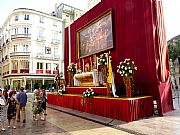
[[22, 100]]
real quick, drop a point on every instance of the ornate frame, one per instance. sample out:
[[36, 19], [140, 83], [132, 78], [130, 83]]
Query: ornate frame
[[96, 36]]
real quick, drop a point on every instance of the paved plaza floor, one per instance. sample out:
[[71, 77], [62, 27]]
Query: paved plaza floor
[[63, 121]]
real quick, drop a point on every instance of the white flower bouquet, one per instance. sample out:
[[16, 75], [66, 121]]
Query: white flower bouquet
[[126, 68], [79, 71], [89, 93], [61, 92], [102, 60], [72, 67]]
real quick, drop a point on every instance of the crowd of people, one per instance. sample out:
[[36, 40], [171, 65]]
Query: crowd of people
[[13, 104]]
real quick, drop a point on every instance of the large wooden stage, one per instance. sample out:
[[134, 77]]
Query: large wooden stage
[[125, 109]]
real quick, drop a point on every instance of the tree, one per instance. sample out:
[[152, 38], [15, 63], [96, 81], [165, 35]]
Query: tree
[[174, 49]]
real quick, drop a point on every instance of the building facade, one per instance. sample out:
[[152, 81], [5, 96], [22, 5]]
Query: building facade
[[67, 13], [92, 3], [31, 51]]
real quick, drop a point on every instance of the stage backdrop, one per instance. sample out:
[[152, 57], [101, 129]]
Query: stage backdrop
[[138, 34]]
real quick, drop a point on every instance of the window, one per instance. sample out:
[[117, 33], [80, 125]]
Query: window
[[55, 23], [15, 31], [55, 51], [26, 17], [39, 65], [47, 50], [26, 30], [25, 48], [55, 66], [24, 64], [15, 65], [41, 31], [15, 48], [48, 66], [16, 18], [41, 19]]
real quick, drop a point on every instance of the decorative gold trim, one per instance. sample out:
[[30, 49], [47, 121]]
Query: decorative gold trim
[[142, 97]]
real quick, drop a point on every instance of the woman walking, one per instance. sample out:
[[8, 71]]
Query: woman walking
[[44, 100], [37, 104], [2, 110], [11, 112]]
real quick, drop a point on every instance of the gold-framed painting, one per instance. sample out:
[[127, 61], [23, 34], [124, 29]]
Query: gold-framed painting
[[96, 36]]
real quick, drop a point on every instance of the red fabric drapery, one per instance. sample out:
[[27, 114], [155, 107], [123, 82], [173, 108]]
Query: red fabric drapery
[[125, 109], [139, 34]]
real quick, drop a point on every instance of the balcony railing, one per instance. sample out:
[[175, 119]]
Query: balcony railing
[[56, 56], [43, 56], [40, 38], [20, 36], [55, 41], [19, 54]]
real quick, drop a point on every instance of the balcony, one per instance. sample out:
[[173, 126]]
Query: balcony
[[56, 56], [43, 56], [55, 41], [55, 71], [40, 38], [19, 54], [14, 71], [48, 71], [39, 71], [20, 36], [24, 70]]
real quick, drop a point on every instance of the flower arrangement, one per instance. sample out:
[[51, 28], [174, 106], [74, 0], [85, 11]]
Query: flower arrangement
[[89, 93], [61, 92], [126, 68], [79, 71], [102, 60], [71, 67]]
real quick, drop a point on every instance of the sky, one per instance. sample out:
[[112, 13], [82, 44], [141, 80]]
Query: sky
[[171, 10]]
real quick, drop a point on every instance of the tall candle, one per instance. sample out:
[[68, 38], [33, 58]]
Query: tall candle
[[91, 62], [97, 63], [83, 64], [79, 64]]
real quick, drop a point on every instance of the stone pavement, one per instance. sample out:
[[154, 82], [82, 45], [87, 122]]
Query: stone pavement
[[64, 121], [167, 125], [59, 123]]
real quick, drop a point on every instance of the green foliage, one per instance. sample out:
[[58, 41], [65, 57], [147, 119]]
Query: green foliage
[[174, 49]]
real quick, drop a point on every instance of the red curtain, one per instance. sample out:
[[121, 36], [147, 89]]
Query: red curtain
[[139, 34], [117, 108]]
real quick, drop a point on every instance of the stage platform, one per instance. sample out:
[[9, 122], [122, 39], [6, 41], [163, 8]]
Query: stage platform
[[80, 90], [125, 109]]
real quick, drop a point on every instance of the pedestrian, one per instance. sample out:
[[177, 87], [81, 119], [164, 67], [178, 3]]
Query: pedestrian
[[2, 110], [37, 104], [5, 93], [44, 100], [11, 112], [22, 100]]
